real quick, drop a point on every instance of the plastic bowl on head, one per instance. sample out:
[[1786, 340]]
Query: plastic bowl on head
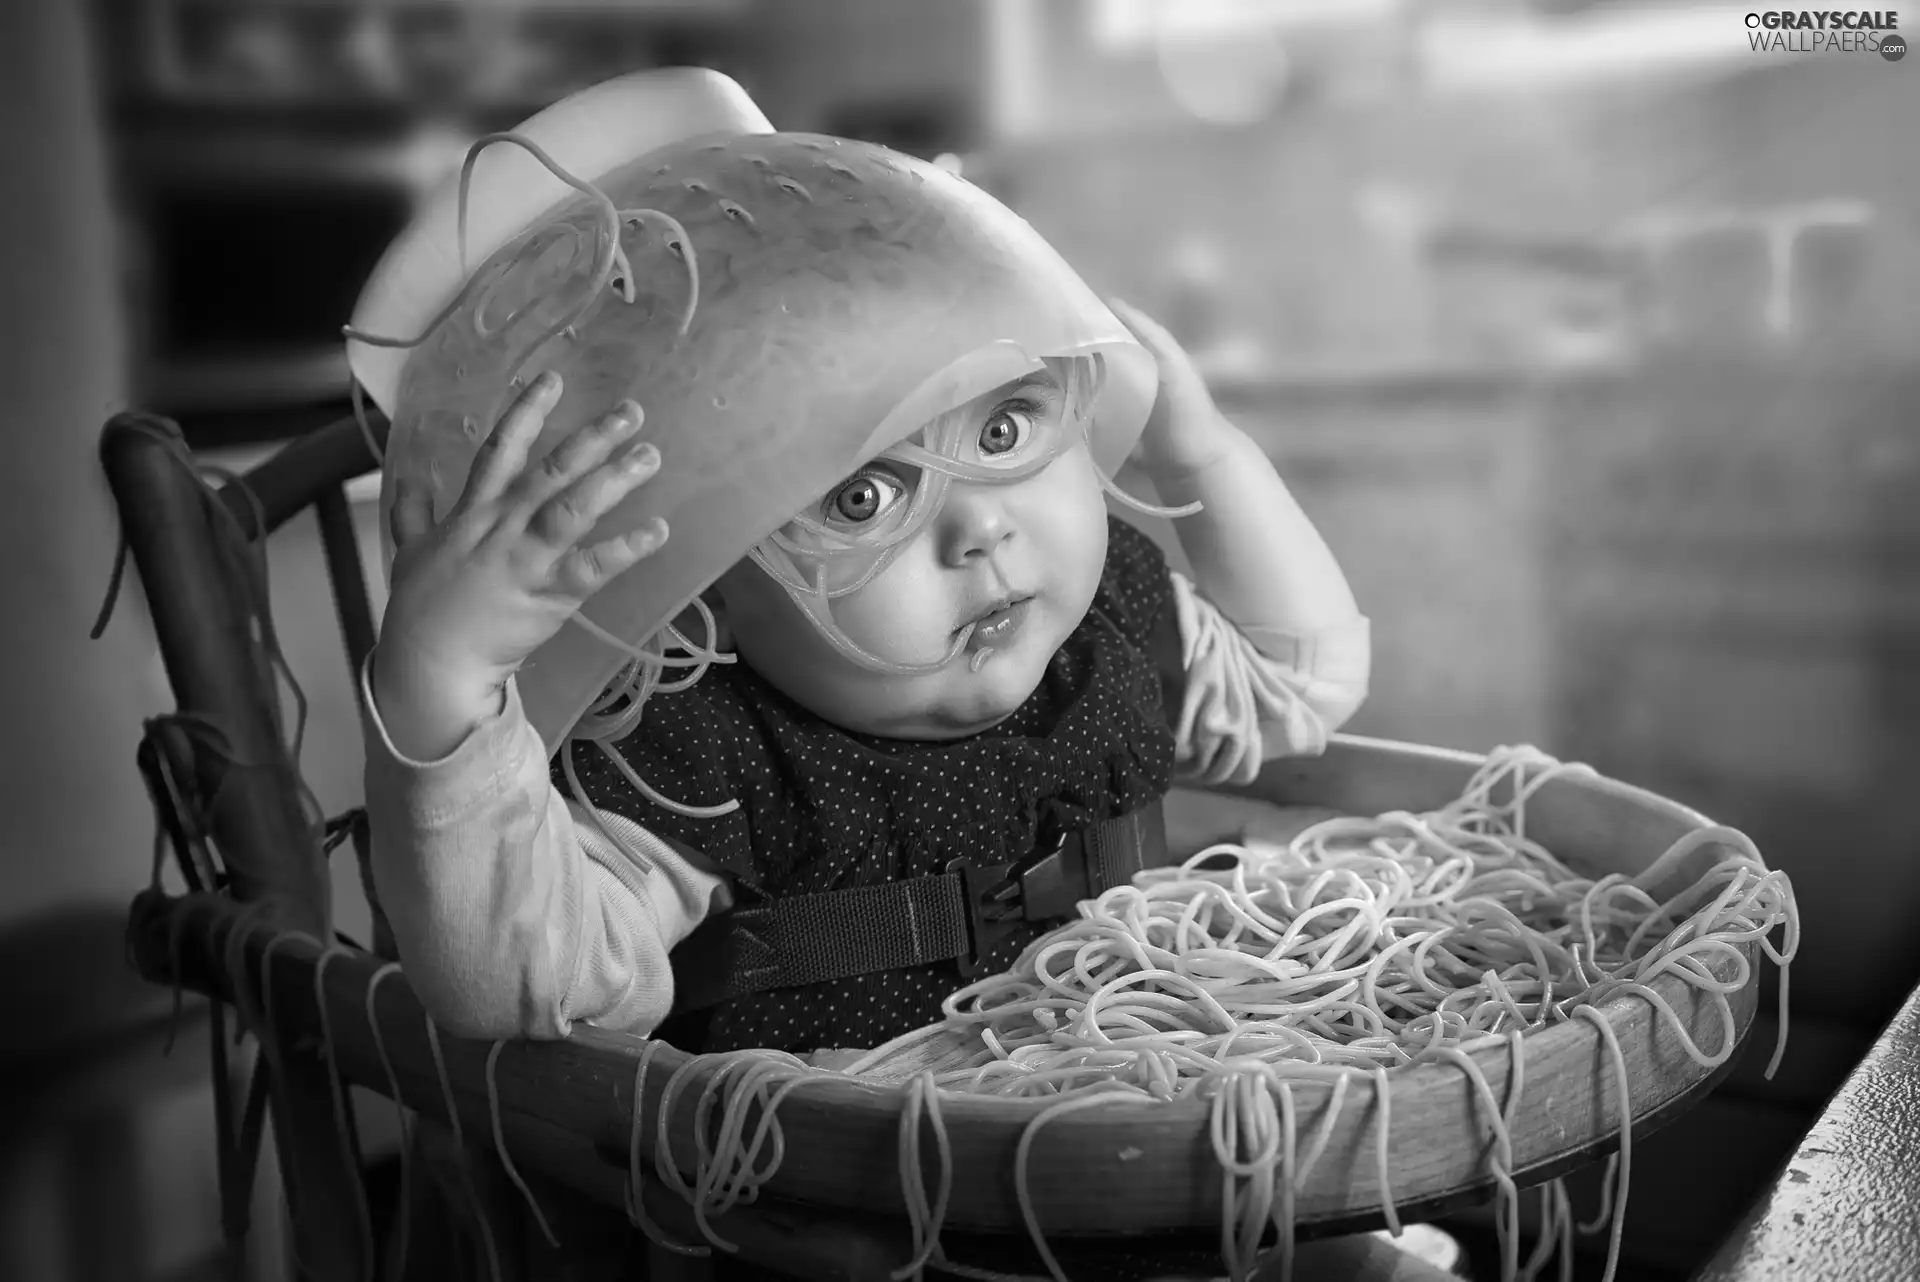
[[846, 295], [587, 133]]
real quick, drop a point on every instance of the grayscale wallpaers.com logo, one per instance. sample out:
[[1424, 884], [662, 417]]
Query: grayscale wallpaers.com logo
[[1828, 31]]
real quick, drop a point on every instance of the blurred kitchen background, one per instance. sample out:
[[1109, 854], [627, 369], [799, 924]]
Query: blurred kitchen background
[[1588, 334]]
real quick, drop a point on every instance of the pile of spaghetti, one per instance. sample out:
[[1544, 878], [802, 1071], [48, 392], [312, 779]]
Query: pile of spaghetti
[[1363, 948], [1365, 942]]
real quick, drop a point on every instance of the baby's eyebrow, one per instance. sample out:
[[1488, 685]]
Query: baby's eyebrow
[[1039, 381]]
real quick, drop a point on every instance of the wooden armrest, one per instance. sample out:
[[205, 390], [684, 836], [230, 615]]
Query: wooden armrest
[[1846, 1207]]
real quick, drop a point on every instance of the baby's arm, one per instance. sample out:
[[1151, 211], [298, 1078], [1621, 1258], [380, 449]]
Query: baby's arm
[[1254, 553], [511, 918], [514, 914], [1273, 642], [1248, 700]]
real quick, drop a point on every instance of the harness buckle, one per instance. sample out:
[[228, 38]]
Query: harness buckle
[[1041, 887]]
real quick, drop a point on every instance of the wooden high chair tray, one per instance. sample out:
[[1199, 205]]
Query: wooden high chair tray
[[1097, 1172]]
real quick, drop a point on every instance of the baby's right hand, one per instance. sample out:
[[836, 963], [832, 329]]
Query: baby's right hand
[[476, 593]]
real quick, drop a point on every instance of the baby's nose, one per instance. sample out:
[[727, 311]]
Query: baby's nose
[[973, 521]]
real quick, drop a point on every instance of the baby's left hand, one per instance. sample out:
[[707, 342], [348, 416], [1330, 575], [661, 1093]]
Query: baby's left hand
[[1186, 433]]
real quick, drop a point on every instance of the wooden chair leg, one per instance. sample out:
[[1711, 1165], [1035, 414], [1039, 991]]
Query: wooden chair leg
[[438, 1242], [329, 1238], [671, 1266], [472, 1207], [593, 1242], [1360, 1258]]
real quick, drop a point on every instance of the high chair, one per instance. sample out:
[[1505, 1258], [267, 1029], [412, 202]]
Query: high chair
[[253, 934]]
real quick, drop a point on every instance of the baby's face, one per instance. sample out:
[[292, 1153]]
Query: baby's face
[[1018, 560]]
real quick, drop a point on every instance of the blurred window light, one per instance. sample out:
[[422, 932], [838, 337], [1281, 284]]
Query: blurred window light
[[1233, 62], [431, 154], [1594, 47], [1120, 26], [1226, 79]]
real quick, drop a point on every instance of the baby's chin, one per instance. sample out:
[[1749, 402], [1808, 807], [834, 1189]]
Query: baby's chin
[[952, 704], [969, 714]]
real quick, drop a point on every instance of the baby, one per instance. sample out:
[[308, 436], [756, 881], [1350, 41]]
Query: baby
[[940, 704]]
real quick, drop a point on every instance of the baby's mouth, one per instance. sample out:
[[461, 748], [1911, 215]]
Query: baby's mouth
[[996, 625]]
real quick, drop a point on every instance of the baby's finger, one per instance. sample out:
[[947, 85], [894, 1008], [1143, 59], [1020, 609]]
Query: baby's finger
[[575, 458], [412, 514], [503, 454], [1177, 372], [565, 519], [1155, 338], [1151, 333], [584, 571]]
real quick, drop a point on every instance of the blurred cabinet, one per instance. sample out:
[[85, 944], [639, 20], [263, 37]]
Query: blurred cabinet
[[1733, 579], [1702, 577], [268, 151], [1423, 484], [909, 74], [510, 54]]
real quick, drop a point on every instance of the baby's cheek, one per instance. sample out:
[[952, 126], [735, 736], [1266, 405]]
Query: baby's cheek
[[903, 615], [1070, 519]]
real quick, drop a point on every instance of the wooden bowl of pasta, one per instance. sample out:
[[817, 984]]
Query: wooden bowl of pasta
[[1648, 920], [1452, 975]]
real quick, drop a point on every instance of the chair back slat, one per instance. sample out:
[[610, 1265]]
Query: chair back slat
[[303, 469], [340, 544], [203, 594]]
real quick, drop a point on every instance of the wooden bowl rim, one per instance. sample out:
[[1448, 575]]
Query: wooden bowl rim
[[874, 1097]]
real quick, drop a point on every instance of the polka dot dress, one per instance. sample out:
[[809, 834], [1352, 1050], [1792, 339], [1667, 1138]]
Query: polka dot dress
[[824, 809]]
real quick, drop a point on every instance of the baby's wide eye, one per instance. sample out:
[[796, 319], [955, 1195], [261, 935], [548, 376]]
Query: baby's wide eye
[[864, 497], [1005, 430]]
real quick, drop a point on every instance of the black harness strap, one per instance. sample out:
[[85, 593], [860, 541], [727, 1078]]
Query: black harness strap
[[1119, 848], [957, 916]]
